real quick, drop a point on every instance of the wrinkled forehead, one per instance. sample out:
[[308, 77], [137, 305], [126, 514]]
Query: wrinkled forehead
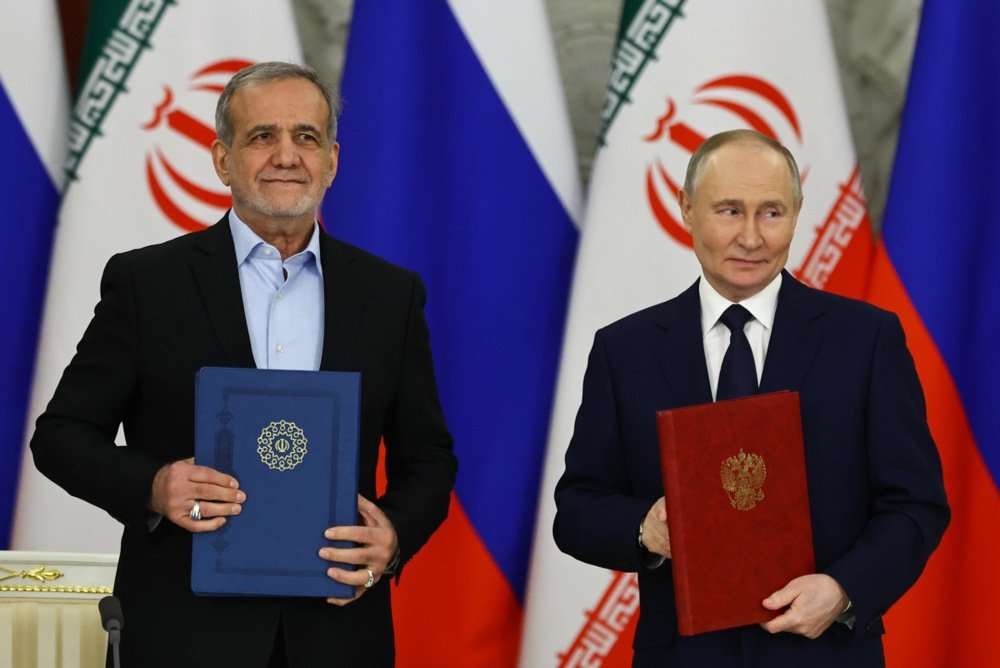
[[280, 99], [746, 167]]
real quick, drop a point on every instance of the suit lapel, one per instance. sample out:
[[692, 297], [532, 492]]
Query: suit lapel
[[680, 350], [342, 299], [217, 276], [796, 337]]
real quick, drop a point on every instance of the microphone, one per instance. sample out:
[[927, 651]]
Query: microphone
[[112, 620]]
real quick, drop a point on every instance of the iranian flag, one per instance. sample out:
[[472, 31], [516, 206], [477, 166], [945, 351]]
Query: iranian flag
[[139, 172], [682, 71]]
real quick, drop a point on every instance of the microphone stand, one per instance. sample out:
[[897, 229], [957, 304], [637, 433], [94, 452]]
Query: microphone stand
[[112, 620]]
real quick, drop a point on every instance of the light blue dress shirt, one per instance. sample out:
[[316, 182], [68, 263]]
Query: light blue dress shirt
[[283, 301]]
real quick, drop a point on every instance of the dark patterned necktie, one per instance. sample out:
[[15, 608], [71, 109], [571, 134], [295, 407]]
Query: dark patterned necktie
[[738, 376]]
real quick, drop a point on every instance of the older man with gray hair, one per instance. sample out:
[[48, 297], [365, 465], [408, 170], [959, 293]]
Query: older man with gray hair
[[876, 496], [264, 287]]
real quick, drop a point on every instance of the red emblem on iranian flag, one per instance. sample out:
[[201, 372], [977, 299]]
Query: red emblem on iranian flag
[[747, 100], [185, 192]]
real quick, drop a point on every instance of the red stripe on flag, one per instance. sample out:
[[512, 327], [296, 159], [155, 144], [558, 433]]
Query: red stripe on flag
[[842, 253], [453, 607], [950, 617], [605, 639]]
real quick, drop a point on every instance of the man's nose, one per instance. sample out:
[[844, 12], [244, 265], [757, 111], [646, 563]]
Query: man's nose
[[749, 236], [286, 153]]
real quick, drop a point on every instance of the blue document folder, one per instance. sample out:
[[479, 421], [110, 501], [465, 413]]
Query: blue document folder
[[291, 440]]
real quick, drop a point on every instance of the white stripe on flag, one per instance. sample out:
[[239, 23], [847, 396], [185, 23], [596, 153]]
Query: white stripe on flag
[[538, 107], [33, 74], [111, 208]]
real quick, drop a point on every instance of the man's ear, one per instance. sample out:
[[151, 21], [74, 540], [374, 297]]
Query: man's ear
[[686, 205], [798, 210], [220, 160], [334, 161]]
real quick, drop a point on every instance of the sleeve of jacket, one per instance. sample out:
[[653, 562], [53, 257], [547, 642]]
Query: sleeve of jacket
[[908, 507], [597, 513], [74, 439], [420, 462]]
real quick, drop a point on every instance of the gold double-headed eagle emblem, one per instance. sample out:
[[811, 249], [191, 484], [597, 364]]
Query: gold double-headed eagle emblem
[[743, 477]]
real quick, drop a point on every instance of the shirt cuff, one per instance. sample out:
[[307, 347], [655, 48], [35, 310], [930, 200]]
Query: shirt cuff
[[847, 617], [393, 565]]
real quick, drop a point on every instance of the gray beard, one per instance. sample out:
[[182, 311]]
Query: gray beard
[[259, 204]]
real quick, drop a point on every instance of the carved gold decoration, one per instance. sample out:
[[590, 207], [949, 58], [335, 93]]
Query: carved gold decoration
[[40, 573], [743, 477], [58, 589], [282, 445]]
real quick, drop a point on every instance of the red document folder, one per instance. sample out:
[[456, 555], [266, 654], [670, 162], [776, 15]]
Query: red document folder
[[737, 507]]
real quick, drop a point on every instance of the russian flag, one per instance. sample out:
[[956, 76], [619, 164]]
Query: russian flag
[[33, 111], [456, 161], [937, 267]]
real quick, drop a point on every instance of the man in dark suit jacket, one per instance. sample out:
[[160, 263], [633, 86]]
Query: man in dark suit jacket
[[168, 310], [876, 495]]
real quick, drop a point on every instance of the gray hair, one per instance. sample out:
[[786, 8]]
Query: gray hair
[[696, 166], [272, 71]]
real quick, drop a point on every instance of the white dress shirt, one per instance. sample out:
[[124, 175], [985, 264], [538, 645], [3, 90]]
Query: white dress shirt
[[715, 335]]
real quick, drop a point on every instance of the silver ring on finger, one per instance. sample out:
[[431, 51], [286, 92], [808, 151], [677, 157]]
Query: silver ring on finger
[[371, 579], [195, 513]]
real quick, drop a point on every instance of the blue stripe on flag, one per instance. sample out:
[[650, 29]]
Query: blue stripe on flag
[[29, 208], [942, 229], [434, 175]]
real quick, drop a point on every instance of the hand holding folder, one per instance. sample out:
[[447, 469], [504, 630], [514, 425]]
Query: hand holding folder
[[734, 475], [291, 439]]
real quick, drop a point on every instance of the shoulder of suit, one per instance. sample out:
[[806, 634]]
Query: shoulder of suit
[[349, 253], [648, 314], [849, 304], [661, 314], [166, 250], [834, 303], [214, 235]]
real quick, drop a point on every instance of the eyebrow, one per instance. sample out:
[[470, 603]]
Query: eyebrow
[[271, 127], [738, 203], [776, 203], [300, 127], [263, 127]]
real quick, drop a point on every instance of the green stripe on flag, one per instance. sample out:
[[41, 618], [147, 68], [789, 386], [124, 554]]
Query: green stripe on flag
[[644, 24], [118, 32]]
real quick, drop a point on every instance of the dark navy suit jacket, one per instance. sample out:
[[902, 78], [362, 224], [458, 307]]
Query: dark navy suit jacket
[[165, 312], [877, 499]]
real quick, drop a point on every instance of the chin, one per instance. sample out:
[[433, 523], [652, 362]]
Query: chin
[[287, 209], [745, 288]]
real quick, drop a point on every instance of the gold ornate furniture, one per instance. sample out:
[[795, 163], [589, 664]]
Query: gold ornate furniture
[[48, 609]]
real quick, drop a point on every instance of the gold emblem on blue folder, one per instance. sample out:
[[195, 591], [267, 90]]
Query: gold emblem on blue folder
[[282, 445]]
